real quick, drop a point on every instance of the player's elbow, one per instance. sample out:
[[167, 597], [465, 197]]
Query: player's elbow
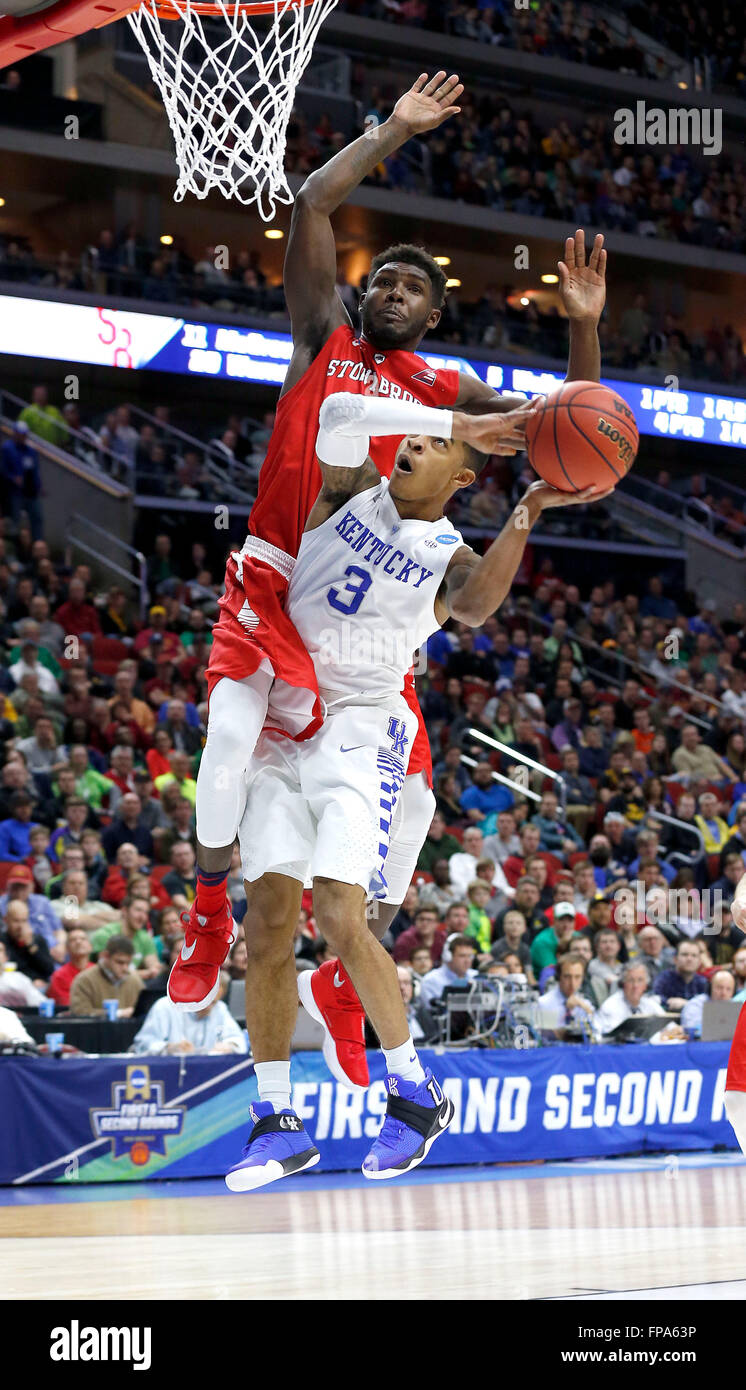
[[341, 411], [310, 198], [469, 608]]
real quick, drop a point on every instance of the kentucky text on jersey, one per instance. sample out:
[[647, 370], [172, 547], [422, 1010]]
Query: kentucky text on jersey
[[346, 369], [348, 528]]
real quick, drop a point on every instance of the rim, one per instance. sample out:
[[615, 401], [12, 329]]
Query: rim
[[254, 7]]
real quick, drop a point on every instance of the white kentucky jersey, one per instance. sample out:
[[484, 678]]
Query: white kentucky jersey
[[362, 594]]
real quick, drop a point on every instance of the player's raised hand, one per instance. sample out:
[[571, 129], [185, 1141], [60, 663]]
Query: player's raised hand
[[583, 287], [429, 102]]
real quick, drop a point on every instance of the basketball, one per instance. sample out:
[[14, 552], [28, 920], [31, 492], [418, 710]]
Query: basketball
[[583, 435]]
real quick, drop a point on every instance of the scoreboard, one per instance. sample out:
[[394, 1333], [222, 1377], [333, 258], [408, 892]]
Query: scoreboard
[[132, 340]]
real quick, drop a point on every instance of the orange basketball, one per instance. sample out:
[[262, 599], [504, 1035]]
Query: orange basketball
[[585, 434], [139, 1152]]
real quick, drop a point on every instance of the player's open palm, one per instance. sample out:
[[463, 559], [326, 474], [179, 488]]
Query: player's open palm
[[583, 286], [429, 102]]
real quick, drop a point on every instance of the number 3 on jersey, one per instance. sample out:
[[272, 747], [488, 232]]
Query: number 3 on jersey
[[356, 590]]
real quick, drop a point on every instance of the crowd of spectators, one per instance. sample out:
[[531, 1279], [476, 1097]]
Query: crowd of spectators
[[499, 157], [579, 34], [156, 455], [624, 852]]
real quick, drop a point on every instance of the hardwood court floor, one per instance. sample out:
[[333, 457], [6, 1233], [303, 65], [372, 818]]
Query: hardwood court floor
[[632, 1229]]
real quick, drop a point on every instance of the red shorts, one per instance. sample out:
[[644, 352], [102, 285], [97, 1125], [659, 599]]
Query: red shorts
[[420, 759], [264, 630], [736, 1077]]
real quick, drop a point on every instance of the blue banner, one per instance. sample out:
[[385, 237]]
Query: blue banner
[[131, 339], [117, 1118]]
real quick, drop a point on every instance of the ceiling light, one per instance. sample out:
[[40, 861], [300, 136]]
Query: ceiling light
[[167, 240], [453, 284], [442, 260], [549, 279], [274, 234], [524, 300]]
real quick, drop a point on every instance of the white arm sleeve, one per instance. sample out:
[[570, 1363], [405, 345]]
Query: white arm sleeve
[[347, 421]]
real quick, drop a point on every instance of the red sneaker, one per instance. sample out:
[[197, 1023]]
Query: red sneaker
[[195, 976], [328, 996]]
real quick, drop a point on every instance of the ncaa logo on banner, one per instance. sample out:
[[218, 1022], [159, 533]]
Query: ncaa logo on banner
[[138, 1121]]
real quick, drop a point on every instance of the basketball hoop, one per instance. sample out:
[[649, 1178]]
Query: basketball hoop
[[228, 88]]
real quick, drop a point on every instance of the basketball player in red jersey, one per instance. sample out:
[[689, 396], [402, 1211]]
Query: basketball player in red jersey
[[735, 1081], [257, 663]]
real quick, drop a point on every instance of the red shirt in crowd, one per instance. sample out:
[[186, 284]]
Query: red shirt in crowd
[[78, 618], [171, 646], [409, 941], [116, 885], [60, 984]]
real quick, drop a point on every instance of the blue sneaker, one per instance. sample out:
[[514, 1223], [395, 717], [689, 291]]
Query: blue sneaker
[[277, 1146], [416, 1115]]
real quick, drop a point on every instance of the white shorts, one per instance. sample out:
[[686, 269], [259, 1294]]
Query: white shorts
[[324, 809]]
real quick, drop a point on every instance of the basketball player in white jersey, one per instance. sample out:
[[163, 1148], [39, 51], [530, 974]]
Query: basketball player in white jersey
[[376, 558], [253, 651]]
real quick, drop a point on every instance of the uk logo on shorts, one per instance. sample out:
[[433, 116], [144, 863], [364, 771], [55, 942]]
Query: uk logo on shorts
[[397, 732]]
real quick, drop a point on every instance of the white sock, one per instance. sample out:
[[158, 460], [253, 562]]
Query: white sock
[[404, 1062], [273, 1080]]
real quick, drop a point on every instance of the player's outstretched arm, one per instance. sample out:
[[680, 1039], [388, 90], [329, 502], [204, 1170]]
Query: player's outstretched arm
[[475, 586], [310, 270], [583, 295], [342, 445]]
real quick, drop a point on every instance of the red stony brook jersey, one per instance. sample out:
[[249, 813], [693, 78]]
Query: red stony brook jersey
[[290, 476]]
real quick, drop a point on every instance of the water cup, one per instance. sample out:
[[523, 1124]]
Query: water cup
[[54, 1041], [111, 1009], [46, 1008]]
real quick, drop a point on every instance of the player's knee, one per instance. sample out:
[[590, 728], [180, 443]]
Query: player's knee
[[227, 740], [271, 918], [338, 908]]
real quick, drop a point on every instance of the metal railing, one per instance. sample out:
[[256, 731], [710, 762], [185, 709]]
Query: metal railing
[[526, 761], [692, 514], [236, 481], [684, 860], [139, 579], [83, 445], [506, 781]]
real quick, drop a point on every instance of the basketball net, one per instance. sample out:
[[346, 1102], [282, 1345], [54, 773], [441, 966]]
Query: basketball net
[[228, 85]]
